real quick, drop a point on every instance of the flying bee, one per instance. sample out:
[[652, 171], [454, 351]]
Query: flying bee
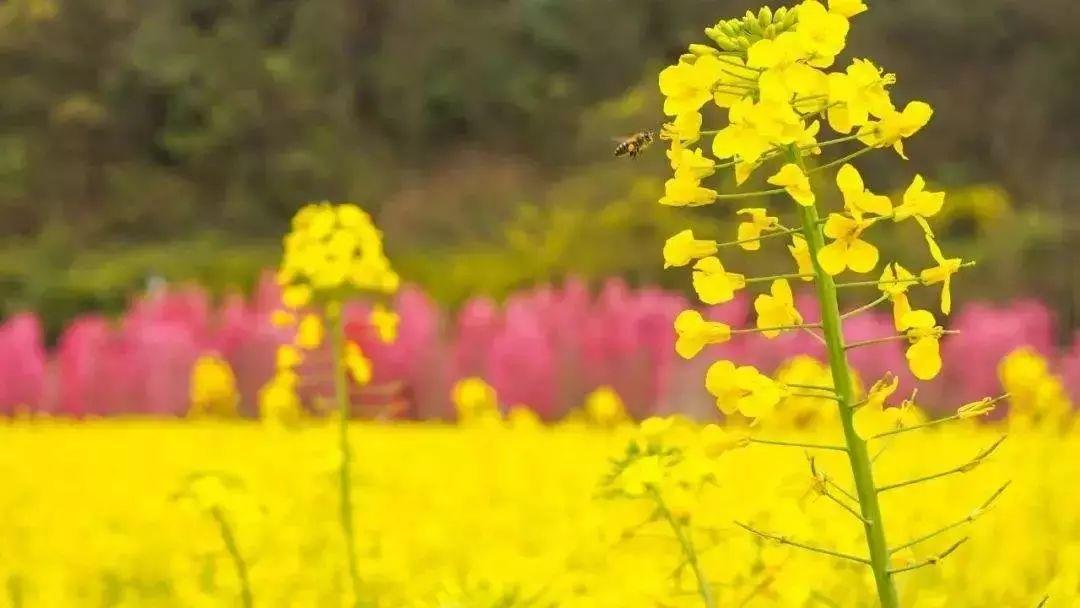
[[633, 145]]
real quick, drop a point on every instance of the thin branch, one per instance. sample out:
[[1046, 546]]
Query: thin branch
[[816, 336], [817, 396], [915, 427], [786, 541], [843, 505], [864, 308], [895, 338], [970, 517], [964, 468], [687, 546], [756, 330], [767, 235], [930, 561], [808, 446], [817, 387], [841, 160], [782, 276]]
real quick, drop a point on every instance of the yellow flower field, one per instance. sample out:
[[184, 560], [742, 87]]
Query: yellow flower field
[[122, 513]]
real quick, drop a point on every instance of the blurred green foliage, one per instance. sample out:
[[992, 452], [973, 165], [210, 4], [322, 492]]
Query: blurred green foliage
[[478, 132]]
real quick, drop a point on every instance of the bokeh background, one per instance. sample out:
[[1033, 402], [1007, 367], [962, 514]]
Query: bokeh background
[[158, 145]]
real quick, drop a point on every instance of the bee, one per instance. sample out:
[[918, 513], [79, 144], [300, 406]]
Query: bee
[[633, 145]]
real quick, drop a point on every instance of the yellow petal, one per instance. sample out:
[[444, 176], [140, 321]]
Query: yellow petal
[[833, 258]]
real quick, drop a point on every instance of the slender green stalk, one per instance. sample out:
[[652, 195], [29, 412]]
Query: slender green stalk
[[783, 540], [246, 598], [688, 550], [858, 457], [341, 394], [793, 444]]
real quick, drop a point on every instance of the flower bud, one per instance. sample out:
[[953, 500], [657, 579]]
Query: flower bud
[[765, 16], [703, 49]]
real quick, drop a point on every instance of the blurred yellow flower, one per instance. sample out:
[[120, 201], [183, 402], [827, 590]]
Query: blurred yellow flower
[[895, 126], [385, 321], [309, 334], [213, 388]]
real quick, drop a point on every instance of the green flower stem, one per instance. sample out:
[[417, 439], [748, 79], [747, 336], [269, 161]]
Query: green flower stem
[[757, 330], [817, 387], [687, 546], [767, 235], [964, 468], [792, 444], [227, 536], [839, 161], [752, 194], [341, 395], [773, 277], [915, 427], [858, 457], [930, 561], [783, 540], [864, 308]]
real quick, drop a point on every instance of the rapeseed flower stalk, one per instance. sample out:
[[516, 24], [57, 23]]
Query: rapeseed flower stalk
[[775, 74], [332, 254]]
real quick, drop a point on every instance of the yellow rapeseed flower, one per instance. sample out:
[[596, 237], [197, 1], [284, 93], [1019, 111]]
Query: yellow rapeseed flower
[[742, 389], [358, 365], [894, 283], [919, 202], [978, 408], [385, 321], [776, 309], [714, 284], [924, 354], [942, 273], [792, 179], [800, 252], [750, 231], [847, 250], [694, 333], [685, 190], [895, 126], [858, 199], [682, 248], [688, 85]]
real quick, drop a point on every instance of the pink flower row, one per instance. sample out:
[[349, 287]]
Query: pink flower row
[[546, 348]]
